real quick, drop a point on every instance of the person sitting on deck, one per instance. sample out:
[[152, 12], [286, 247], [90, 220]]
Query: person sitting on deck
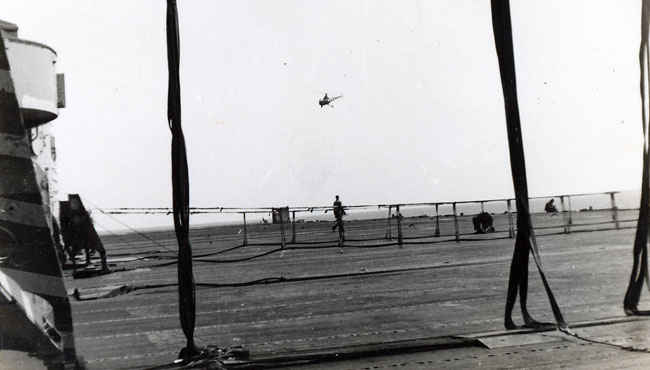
[[483, 223], [550, 207]]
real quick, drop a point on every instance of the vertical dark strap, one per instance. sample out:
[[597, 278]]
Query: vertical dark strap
[[525, 240], [640, 252], [180, 185]]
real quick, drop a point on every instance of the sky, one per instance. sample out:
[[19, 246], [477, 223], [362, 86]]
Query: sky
[[421, 118]]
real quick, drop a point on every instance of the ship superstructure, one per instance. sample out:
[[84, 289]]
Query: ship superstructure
[[40, 91], [31, 92]]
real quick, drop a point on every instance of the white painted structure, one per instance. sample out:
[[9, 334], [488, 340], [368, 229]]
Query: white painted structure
[[40, 93]]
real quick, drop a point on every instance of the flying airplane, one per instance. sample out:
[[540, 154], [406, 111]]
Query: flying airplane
[[326, 100]]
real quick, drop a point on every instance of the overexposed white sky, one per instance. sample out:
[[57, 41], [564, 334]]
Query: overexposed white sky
[[421, 119]]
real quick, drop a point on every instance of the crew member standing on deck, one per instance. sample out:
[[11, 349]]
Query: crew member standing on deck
[[339, 212]]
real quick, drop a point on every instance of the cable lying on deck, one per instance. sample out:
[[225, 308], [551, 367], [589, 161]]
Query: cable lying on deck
[[125, 289], [314, 246]]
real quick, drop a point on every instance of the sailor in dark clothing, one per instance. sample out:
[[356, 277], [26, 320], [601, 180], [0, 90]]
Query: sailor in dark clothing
[[483, 223], [550, 207], [79, 233], [339, 212]]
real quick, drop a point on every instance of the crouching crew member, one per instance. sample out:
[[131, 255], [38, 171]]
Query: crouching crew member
[[483, 223], [79, 232]]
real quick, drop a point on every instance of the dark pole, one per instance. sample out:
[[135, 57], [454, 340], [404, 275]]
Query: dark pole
[[525, 240], [180, 186], [640, 252]]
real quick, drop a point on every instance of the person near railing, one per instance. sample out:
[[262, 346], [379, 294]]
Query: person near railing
[[79, 233], [339, 212], [483, 223], [550, 207]]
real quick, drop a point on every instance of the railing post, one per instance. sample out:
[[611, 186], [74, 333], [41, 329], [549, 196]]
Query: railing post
[[563, 210], [399, 226], [283, 242], [389, 234], [482, 206], [511, 228], [614, 210], [564, 215], [568, 197], [437, 230], [293, 227], [456, 231], [245, 231]]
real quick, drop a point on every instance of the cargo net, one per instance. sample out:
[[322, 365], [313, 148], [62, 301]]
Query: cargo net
[[259, 232]]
